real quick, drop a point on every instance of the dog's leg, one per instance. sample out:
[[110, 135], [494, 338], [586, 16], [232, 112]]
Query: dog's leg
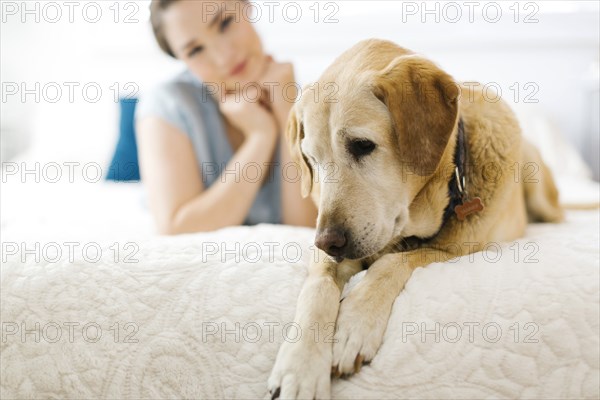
[[364, 313], [303, 368], [541, 194]]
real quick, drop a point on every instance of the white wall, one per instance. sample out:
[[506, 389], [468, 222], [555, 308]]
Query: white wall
[[558, 54]]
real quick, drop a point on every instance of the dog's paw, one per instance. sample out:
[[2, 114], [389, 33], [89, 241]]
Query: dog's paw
[[359, 332], [301, 371]]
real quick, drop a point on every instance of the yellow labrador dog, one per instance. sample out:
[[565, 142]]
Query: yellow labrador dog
[[407, 167]]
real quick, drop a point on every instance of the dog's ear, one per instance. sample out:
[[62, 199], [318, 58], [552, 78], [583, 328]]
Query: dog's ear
[[295, 134], [423, 102]]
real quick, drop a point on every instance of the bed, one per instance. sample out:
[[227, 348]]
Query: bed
[[104, 307], [203, 315]]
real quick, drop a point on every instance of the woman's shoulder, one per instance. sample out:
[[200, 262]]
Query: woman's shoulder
[[181, 88], [177, 99]]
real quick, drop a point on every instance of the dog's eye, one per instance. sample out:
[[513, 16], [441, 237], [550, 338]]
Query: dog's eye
[[360, 148]]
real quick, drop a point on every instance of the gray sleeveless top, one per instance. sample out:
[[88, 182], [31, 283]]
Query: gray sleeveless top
[[185, 102]]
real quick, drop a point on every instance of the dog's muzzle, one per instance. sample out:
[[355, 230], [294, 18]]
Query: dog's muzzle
[[333, 241]]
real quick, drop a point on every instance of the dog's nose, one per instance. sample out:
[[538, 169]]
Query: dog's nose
[[332, 241]]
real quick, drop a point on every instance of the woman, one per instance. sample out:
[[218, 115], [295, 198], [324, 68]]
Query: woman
[[206, 147]]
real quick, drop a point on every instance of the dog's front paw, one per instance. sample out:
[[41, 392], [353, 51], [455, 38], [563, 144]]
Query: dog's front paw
[[301, 371], [360, 326]]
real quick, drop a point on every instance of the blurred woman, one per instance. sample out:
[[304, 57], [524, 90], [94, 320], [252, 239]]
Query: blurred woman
[[210, 140]]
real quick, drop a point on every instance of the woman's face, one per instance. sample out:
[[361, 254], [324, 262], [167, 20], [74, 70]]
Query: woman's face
[[215, 40]]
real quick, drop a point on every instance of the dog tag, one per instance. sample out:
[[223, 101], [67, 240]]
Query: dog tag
[[467, 208]]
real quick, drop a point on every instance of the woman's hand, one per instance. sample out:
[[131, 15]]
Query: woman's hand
[[280, 87], [279, 82], [245, 111]]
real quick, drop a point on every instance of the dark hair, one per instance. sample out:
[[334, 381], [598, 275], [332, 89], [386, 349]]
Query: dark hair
[[157, 7]]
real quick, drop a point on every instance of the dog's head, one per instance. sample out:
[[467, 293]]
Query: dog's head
[[368, 135]]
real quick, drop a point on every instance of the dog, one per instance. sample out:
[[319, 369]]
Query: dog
[[407, 167]]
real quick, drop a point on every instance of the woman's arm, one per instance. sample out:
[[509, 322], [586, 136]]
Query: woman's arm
[[295, 209], [177, 197]]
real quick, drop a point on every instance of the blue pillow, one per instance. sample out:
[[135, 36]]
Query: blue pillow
[[124, 166]]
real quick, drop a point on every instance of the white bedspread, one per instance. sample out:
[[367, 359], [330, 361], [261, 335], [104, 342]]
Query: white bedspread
[[181, 318]]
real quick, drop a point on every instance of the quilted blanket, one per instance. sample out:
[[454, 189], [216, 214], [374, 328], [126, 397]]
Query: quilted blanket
[[203, 315]]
